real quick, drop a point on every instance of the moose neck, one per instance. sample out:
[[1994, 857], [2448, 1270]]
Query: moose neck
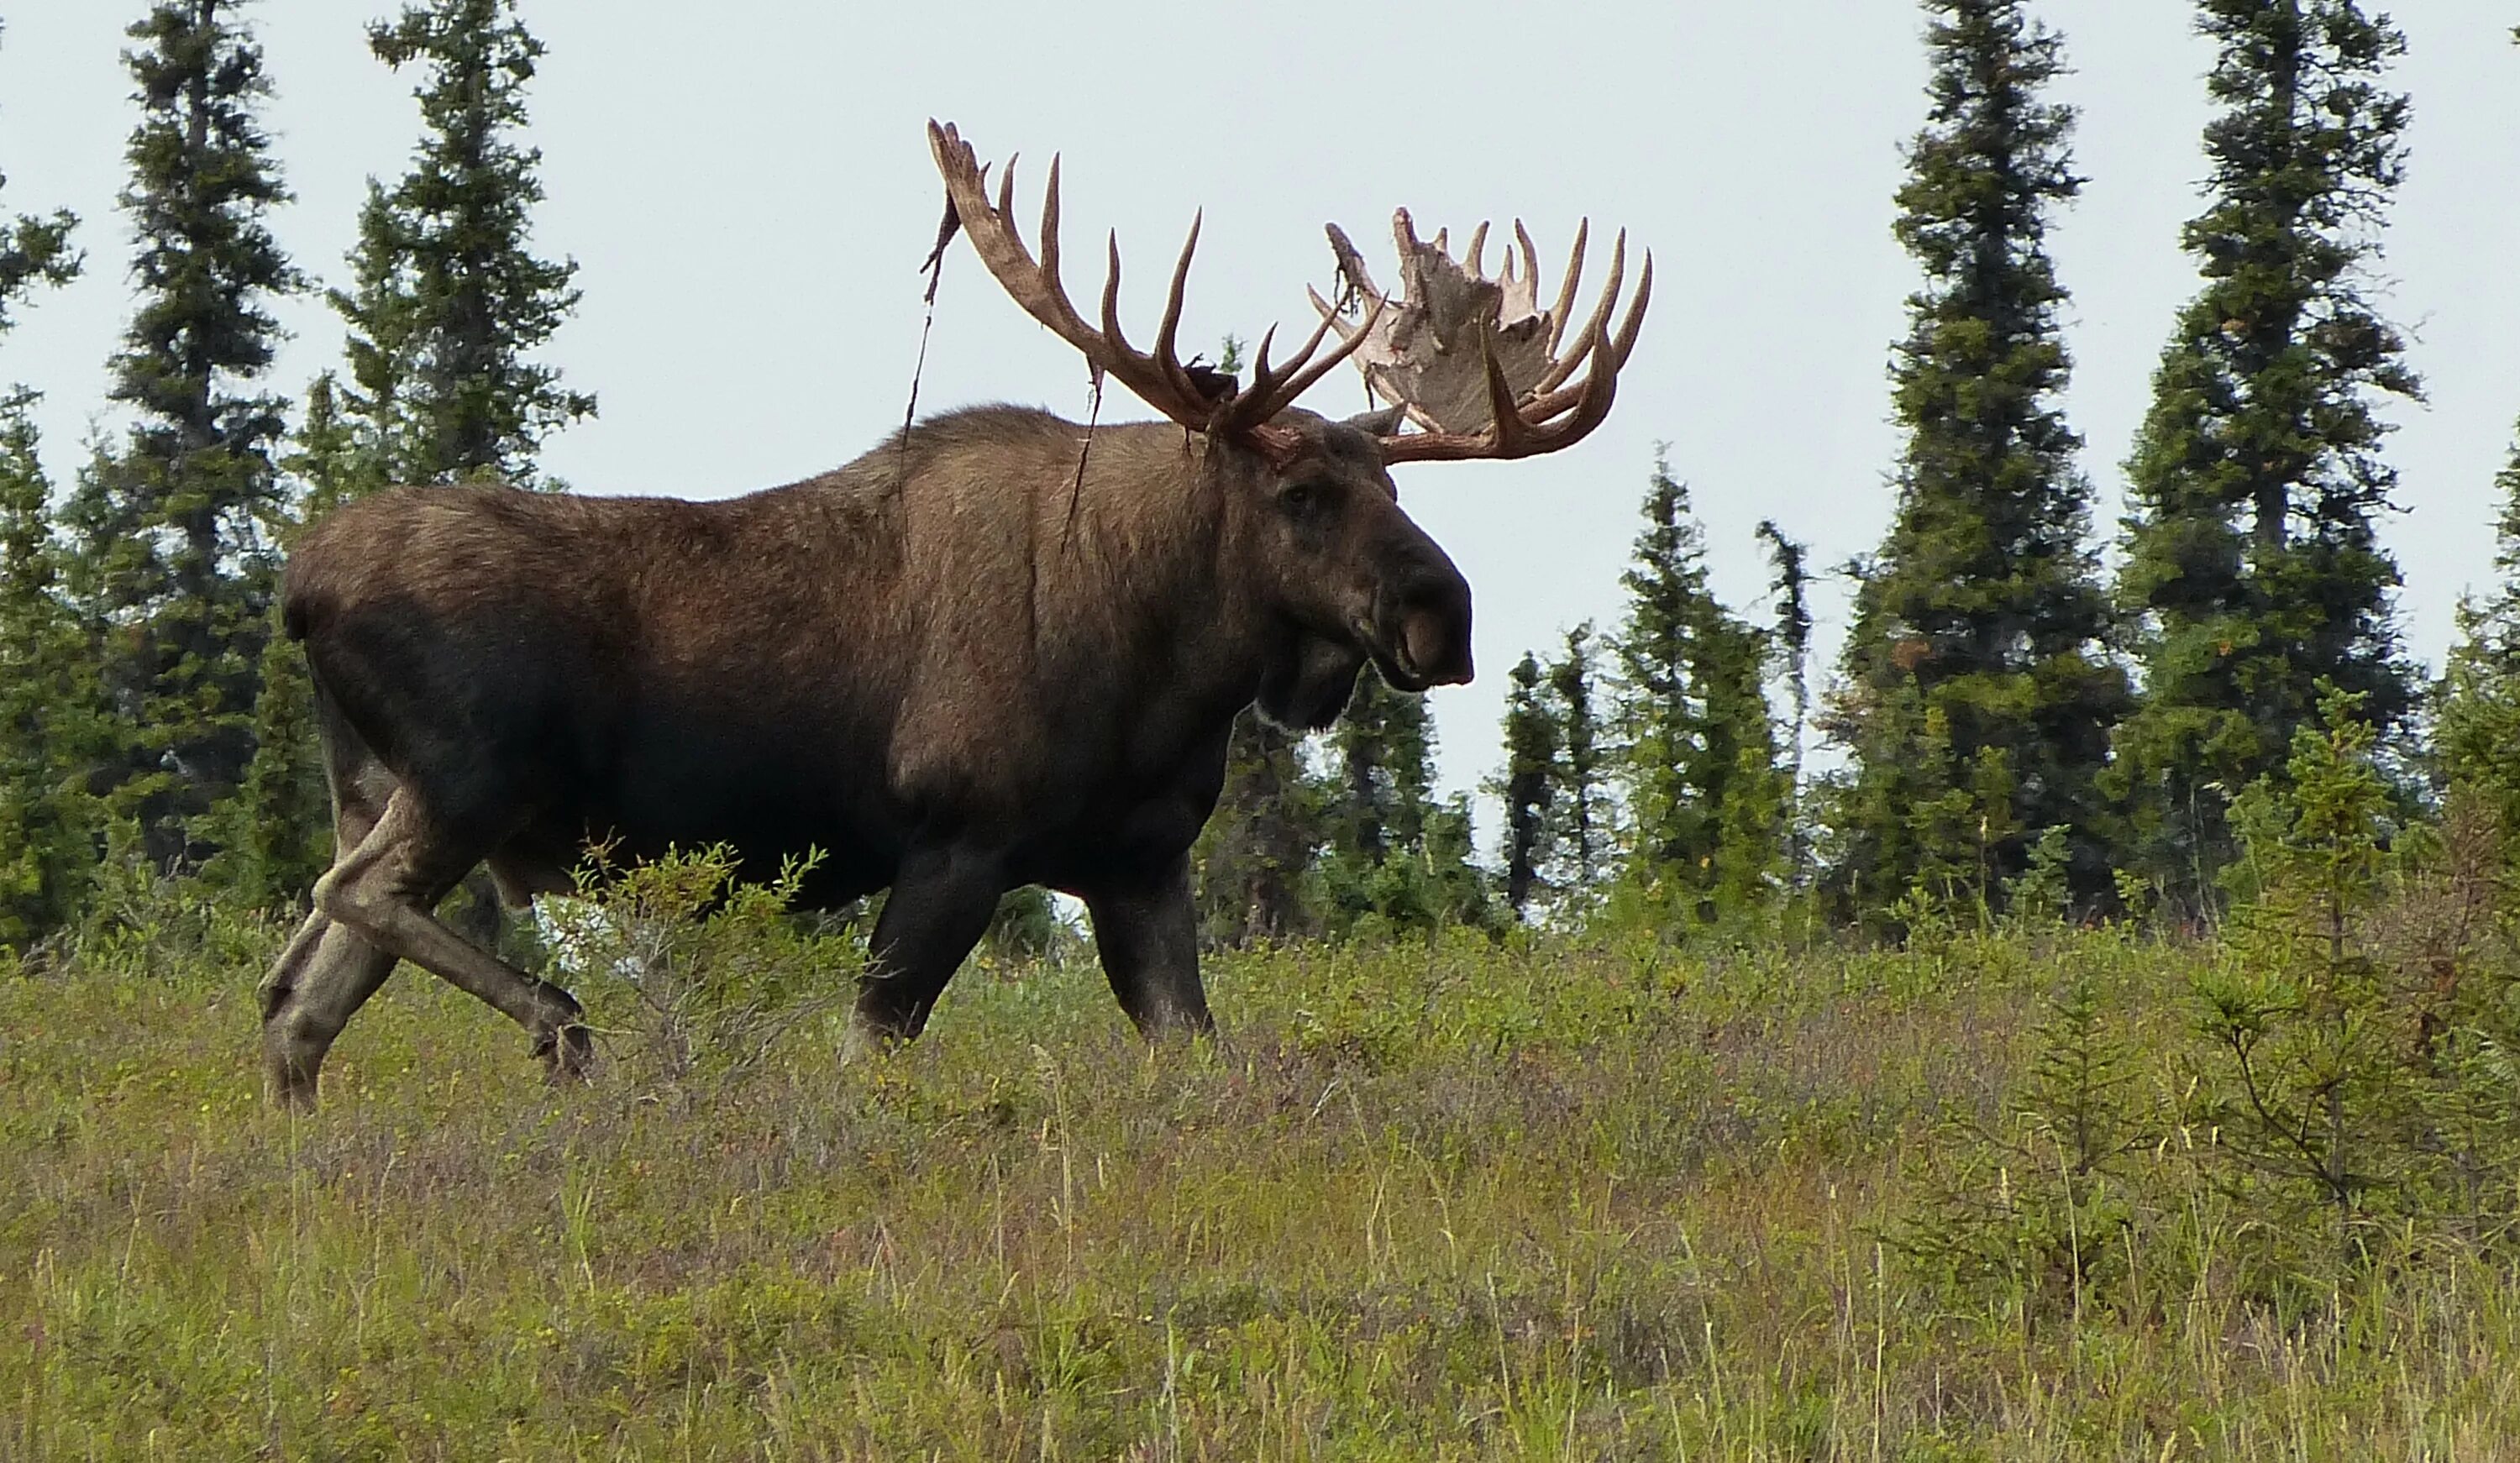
[[1149, 547]]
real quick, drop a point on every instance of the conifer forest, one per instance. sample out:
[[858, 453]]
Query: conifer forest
[[2065, 1005]]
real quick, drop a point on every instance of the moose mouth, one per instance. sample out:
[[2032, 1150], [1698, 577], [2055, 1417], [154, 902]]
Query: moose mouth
[[1393, 657]]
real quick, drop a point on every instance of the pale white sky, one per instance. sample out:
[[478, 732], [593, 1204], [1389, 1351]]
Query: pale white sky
[[748, 186]]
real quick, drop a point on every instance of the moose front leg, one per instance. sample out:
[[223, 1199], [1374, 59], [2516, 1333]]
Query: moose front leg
[[939, 908], [1146, 931]]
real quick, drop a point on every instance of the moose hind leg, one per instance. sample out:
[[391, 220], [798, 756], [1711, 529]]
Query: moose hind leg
[[326, 975], [1146, 933], [386, 890], [939, 908]]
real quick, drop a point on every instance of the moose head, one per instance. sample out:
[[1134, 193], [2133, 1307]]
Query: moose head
[[1471, 362]]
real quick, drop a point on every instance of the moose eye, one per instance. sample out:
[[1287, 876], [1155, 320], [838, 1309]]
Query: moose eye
[[1307, 497]]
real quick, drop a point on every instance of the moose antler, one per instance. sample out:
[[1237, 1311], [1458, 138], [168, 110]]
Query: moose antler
[[1200, 399], [1474, 359]]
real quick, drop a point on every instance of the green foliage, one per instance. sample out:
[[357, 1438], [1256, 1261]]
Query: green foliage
[[1397, 859], [1584, 831], [1706, 803], [48, 734], [277, 833], [2045, 891], [174, 564], [450, 300], [1978, 695], [699, 969], [1792, 641], [2253, 565], [1528, 788], [50, 737], [2316, 1077], [33, 252], [1437, 1199], [2477, 738], [1025, 927], [2041, 1205], [1255, 859]]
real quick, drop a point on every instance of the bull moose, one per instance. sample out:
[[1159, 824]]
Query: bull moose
[[1000, 649]]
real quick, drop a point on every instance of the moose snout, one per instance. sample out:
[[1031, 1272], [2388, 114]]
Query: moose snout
[[1429, 616]]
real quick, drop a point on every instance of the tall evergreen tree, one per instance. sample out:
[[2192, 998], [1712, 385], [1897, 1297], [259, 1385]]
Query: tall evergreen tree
[[277, 833], [1528, 786], [1397, 857], [1255, 859], [173, 528], [2252, 562], [1975, 662], [33, 252], [1793, 634], [47, 727], [1581, 839], [1706, 800], [450, 301], [2479, 733]]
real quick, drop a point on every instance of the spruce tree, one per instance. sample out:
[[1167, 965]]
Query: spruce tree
[[450, 301], [1528, 786], [50, 729], [1254, 859], [1705, 798], [33, 252], [277, 831], [1397, 857], [47, 723], [2252, 562], [174, 554], [1977, 697], [1793, 634], [1582, 836], [2479, 733]]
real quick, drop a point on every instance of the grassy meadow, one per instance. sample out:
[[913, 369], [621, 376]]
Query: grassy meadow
[[1451, 1201]]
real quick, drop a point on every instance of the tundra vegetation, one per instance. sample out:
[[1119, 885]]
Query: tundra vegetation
[[2017, 1192]]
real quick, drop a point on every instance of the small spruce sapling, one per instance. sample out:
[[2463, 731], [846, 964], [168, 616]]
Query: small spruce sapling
[[2307, 1092]]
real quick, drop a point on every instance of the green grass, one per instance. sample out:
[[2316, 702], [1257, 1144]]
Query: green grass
[[1427, 1203]]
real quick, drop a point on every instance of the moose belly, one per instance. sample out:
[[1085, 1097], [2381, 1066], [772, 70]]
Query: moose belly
[[770, 786]]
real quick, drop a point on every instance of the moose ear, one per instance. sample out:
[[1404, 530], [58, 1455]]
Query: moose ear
[[1382, 423]]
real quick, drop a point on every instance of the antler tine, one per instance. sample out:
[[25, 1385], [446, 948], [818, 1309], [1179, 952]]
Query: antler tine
[[1504, 415], [1567, 290], [1049, 223], [1036, 285], [1635, 323], [1167, 359], [1260, 358], [1271, 394], [1478, 246], [1329, 312], [1563, 367], [1530, 256], [1111, 330], [1609, 352], [1001, 247], [1545, 422]]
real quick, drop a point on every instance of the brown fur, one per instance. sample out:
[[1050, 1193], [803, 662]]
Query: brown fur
[[954, 666]]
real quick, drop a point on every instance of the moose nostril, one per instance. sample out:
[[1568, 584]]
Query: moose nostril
[[1435, 646]]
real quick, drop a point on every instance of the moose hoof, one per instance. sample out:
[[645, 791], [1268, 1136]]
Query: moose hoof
[[867, 1040], [290, 1090], [567, 1054]]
